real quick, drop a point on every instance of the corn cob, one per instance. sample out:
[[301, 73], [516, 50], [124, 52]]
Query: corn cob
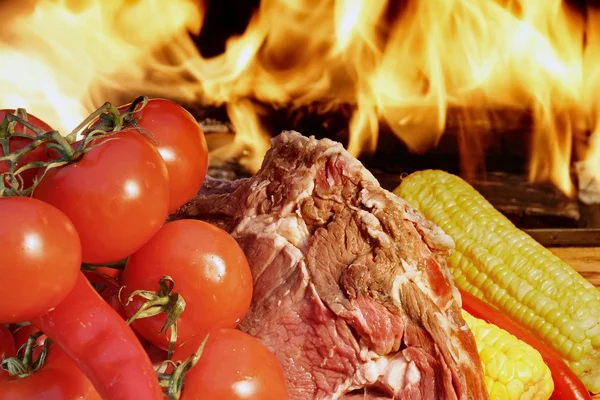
[[505, 267], [513, 370]]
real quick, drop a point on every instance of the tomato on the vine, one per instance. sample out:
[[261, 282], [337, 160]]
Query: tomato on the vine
[[112, 272], [22, 334], [233, 366], [108, 288], [181, 143], [59, 378], [8, 348], [209, 270], [40, 257], [117, 195], [17, 143]]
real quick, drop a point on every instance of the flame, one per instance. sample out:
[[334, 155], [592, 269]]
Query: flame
[[403, 64], [60, 57]]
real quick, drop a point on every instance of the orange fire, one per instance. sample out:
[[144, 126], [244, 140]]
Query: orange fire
[[61, 59]]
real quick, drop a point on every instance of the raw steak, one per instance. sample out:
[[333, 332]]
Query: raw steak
[[351, 288]]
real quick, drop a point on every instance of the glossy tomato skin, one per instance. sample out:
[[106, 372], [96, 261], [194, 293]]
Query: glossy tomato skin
[[210, 272], [40, 257], [233, 366], [17, 143], [112, 272], [117, 196], [181, 143], [58, 379], [8, 348], [108, 288]]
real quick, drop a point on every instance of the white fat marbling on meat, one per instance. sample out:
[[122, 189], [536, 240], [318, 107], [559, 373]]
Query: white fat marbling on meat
[[454, 346], [413, 375], [412, 276], [396, 372], [267, 227], [307, 193], [393, 376], [432, 234], [293, 229], [421, 283], [401, 280], [367, 198], [367, 354], [374, 228]]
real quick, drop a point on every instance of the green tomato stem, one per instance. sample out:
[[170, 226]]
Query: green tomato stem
[[173, 382], [22, 367], [163, 301]]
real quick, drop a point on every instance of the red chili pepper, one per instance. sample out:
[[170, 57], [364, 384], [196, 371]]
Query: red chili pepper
[[101, 344], [567, 385]]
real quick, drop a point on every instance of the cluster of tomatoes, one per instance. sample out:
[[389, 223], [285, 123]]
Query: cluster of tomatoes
[[98, 290]]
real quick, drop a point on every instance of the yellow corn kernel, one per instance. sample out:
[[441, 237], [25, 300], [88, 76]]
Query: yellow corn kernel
[[502, 265], [513, 370]]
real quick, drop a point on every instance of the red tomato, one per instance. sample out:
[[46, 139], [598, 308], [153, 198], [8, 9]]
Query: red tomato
[[210, 272], [58, 379], [8, 348], [112, 272], [108, 288], [181, 143], [117, 196], [157, 356], [17, 143], [89, 331], [22, 334], [40, 249], [233, 366]]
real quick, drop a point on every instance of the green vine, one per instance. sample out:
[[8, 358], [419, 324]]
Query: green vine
[[102, 123], [25, 363], [162, 302], [173, 382]]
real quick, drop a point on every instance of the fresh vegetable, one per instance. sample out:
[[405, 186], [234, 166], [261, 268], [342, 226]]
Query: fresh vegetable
[[40, 256], [23, 333], [117, 195], [232, 366], [17, 143], [181, 143], [508, 269], [513, 370], [54, 378], [209, 270], [112, 272], [7, 348], [101, 344], [567, 386], [108, 288]]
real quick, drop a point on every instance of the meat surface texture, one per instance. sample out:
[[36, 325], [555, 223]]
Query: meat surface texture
[[351, 288]]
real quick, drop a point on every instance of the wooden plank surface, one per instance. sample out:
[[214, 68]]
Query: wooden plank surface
[[586, 260]]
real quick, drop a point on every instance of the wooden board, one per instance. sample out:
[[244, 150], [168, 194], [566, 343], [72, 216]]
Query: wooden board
[[586, 260]]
